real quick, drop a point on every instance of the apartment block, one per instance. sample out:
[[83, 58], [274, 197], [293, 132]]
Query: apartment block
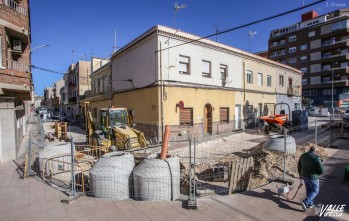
[[77, 85], [100, 94], [15, 75], [318, 45]]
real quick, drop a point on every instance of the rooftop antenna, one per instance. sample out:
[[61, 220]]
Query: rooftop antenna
[[91, 53], [72, 56], [250, 36], [217, 31], [114, 47], [176, 9]]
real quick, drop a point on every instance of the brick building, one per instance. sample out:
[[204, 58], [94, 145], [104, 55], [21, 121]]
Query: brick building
[[318, 46], [15, 75]]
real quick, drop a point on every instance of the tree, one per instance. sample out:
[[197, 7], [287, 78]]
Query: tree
[[306, 101]]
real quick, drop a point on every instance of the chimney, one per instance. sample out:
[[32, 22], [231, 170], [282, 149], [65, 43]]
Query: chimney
[[309, 15]]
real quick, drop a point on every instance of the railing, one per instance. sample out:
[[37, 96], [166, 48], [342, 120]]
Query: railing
[[333, 56], [333, 42], [15, 65], [15, 6], [277, 44], [71, 83], [72, 99]]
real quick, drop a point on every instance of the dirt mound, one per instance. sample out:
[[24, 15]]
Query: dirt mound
[[269, 165]]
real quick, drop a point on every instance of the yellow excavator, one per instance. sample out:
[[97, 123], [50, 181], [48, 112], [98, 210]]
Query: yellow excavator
[[115, 130]]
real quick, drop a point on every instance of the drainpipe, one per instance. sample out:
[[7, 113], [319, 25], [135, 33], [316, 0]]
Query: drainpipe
[[161, 93], [243, 78], [111, 101]]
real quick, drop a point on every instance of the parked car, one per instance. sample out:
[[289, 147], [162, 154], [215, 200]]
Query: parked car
[[42, 110], [318, 112], [346, 115]]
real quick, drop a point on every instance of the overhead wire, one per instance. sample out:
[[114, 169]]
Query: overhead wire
[[243, 26], [216, 33]]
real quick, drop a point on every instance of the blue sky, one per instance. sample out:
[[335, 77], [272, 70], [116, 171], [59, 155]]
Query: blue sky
[[87, 27]]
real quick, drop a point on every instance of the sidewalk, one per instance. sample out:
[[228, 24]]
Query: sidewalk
[[31, 199]]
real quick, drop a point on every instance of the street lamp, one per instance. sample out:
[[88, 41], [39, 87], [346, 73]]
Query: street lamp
[[41, 46], [334, 63]]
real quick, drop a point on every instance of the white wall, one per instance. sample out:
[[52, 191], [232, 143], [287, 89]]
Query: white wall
[[7, 135], [137, 64], [170, 61]]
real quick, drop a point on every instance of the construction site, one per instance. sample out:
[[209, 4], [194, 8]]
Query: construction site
[[204, 174], [182, 168]]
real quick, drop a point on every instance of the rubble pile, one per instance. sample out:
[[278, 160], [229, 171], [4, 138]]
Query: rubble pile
[[269, 165]]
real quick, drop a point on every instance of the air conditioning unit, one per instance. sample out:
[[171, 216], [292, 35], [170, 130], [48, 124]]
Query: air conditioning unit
[[17, 45]]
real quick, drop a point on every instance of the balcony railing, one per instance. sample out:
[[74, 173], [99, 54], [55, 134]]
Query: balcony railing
[[17, 66], [72, 99], [275, 44], [71, 83], [15, 6]]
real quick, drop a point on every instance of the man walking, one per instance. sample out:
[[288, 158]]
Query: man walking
[[309, 169]]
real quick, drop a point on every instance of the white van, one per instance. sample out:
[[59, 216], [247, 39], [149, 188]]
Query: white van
[[319, 112]]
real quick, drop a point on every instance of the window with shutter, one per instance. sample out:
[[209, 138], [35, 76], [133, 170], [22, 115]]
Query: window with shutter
[[183, 66], [206, 69], [186, 116], [224, 114]]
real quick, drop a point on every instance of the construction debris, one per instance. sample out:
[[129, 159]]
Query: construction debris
[[269, 165]]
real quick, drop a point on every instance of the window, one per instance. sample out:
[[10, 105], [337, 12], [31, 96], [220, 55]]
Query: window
[[326, 80], [268, 80], [224, 114], [260, 79], [311, 34], [292, 38], [292, 60], [186, 116], [184, 64], [223, 69], [206, 69], [249, 77], [310, 93], [281, 80], [340, 25], [304, 70], [304, 58], [94, 112], [328, 91], [304, 81], [303, 47], [292, 50]]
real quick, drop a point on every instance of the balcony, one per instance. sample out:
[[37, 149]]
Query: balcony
[[72, 100], [15, 6], [71, 84], [277, 44], [293, 91], [338, 70], [333, 44], [329, 57], [17, 66]]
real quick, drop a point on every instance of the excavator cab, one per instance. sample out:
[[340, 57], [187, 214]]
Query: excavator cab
[[111, 117]]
